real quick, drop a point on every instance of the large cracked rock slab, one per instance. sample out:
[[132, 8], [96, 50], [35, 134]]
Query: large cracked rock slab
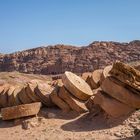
[[90, 102], [30, 90], [74, 103], [113, 87], [20, 111], [58, 101], [9, 93], [95, 78], [126, 74], [4, 95], [1, 92], [43, 91], [23, 96], [76, 86], [13, 98], [112, 106], [105, 73]]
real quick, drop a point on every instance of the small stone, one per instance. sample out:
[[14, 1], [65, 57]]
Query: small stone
[[40, 119], [25, 125]]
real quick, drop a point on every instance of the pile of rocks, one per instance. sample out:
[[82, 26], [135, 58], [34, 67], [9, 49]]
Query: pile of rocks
[[116, 90], [33, 91], [68, 96], [119, 90], [72, 93]]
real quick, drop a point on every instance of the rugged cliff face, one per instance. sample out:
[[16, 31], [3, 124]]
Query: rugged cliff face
[[59, 58]]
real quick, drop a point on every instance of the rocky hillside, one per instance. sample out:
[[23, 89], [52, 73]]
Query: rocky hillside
[[59, 58]]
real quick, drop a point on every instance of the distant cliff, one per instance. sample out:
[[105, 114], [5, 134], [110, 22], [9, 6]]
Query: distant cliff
[[59, 58]]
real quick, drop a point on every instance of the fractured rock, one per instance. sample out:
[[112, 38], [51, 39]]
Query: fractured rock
[[20, 111], [43, 91], [1, 92], [113, 87], [76, 86], [86, 75], [88, 80], [94, 109], [13, 99], [105, 73], [111, 106], [30, 90], [23, 96], [75, 104], [126, 74], [4, 96], [58, 101], [90, 102], [95, 78], [9, 93]]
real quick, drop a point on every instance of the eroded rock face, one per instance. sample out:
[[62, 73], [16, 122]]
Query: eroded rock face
[[60, 58]]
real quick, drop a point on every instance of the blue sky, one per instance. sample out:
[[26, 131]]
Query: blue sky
[[31, 23]]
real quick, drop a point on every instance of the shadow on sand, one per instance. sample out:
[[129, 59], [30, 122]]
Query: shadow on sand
[[89, 123]]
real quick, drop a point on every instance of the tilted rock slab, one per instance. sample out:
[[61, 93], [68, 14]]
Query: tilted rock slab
[[13, 98], [76, 85], [90, 102], [23, 96], [95, 78], [30, 90], [4, 96], [9, 93], [20, 111], [1, 91], [115, 89], [126, 74], [43, 91], [105, 73], [58, 101], [74, 103], [111, 106], [85, 75]]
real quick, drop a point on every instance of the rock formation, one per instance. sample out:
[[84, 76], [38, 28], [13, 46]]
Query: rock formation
[[60, 58]]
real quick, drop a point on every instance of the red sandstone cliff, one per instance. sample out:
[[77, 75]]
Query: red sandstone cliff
[[59, 58]]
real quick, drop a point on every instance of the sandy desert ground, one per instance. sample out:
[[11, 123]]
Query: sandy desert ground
[[53, 124]]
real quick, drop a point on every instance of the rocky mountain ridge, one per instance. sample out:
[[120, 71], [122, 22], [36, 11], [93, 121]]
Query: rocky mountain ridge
[[59, 58]]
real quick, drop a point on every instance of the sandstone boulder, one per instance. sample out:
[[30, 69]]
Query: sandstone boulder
[[43, 91], [111, 106], [105, 73], [23, 96], [88, 80], [126, 74], [4, 96], [30, 91], [20, 111], [90, 102], [76, 85], [13, 99], [74, 103], [95, 78], [113, 87], [10, 97], [1, 92], [58, 101]]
